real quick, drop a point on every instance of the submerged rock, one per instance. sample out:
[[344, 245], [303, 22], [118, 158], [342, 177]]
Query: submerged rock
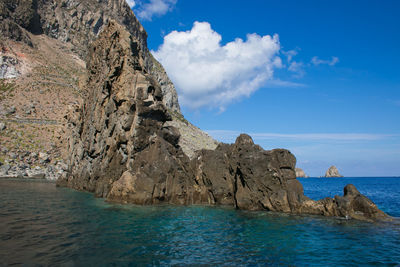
[[332, 172], [123, 149]]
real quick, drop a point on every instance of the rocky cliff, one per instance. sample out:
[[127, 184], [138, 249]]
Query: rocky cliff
[[332, 172], [123, 149], [43, 51], [78, 23]]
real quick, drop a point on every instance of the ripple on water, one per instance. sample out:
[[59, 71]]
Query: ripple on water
[[46, 225]]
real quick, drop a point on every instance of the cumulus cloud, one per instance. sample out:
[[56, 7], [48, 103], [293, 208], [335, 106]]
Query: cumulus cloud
[[316, 61], [147, 10], [207, 73], [131, 3]]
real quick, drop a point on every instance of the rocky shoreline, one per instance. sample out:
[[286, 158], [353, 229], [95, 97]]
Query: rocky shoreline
[[25, 164], [124, 138], [123, 149], [17, 162]]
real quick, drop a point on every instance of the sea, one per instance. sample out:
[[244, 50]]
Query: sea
[[44, 225]]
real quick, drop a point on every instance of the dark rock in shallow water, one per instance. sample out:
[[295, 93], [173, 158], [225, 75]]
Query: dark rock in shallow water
[[122, 150]]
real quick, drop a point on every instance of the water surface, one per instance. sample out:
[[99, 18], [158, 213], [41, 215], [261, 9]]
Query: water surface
[[41, 224]]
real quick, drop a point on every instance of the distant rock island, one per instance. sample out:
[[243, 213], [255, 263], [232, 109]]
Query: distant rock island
[[332, 172], [300, 173]]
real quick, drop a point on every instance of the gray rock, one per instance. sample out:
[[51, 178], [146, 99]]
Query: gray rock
[[36, 173], [44, 157], [2, 127], [4, 169], [13, 155], [10, 111], [8, 67]]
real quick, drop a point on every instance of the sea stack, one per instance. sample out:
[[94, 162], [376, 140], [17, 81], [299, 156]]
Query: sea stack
[[300, 173], [332, 172]]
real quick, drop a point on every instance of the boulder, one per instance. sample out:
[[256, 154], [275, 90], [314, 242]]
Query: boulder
[[44, 157]]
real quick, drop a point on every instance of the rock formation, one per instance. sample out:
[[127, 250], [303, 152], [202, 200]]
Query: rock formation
[[300, 173], [123, 149], [78, 23], [42, 47], [332, 172]]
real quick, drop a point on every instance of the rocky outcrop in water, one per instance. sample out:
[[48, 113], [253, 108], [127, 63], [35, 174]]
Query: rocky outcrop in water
[[300, 173], [332, 172], [123, 149]]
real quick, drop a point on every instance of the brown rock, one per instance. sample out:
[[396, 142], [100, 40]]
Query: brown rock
[[123, 150]]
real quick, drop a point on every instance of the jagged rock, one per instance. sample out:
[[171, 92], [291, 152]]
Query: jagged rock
[[300, 173], [36, 173], [332, 172], [351, 205], [79, 23], [4, 170], [2, 128], [122, 149], [122, 116], [44, 157]]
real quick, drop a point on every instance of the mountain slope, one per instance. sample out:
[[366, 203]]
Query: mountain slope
[[43, 48]]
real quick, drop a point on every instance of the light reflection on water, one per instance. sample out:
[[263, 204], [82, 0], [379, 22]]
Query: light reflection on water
[[42, 224]]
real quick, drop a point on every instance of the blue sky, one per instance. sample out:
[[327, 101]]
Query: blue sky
[[320, 78]]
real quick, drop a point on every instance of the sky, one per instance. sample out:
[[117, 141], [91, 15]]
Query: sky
[[320, 78]]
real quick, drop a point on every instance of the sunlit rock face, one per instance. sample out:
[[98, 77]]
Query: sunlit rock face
[[123, 149]]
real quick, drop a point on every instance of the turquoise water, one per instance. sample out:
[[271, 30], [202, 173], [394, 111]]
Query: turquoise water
[[44, 225]]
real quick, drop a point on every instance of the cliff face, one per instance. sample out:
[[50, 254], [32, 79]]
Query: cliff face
[[79, 23], [124, 150], [333, 172], [39, 39]]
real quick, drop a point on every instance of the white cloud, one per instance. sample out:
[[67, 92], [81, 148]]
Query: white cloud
[[316, 61], [297, 68], [290, 54], [131, 3], [146, 11], [207, 73]]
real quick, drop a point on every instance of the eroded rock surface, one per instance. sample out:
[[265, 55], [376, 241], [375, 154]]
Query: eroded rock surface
[[79, 23], [123, 149]]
